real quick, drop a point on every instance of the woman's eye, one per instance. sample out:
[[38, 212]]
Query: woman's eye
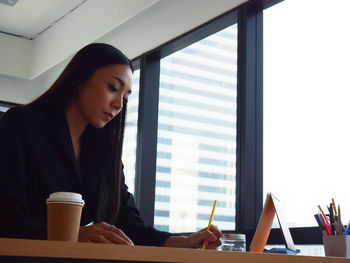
[[112, 88]]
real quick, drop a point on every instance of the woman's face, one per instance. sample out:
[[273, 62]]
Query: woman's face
[[100, 99]]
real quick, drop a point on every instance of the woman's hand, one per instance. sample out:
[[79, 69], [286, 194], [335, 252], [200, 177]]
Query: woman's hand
[[210, 237], [103, 233]]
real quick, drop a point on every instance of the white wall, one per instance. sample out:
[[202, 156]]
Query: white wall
[[147, 28], [163, 22], [23, 91], [14, 55]]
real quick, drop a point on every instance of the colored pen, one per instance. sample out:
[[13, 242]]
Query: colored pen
[[319, 222], [327, 222], [326, 227], [340, 225], [319, 207], [331, 218], [335, 209], [211, 219], [347, 230], [341, 221]]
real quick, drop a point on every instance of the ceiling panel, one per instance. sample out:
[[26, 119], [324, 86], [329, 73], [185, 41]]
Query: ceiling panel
[[28, 18]]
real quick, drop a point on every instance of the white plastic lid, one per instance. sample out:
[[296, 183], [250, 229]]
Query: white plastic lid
[[65, 197]]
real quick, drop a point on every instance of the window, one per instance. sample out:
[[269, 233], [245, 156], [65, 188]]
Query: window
[[196, 148], [4, 107], [1, 113], [193, 159], [306, 109], [130, 134]]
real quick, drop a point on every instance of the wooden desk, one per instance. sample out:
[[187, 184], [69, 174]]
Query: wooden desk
[[22, 250]]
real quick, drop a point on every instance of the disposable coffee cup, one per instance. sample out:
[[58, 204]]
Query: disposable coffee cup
[[63, 216]]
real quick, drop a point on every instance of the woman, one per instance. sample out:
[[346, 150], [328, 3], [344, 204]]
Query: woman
[[70, 139]]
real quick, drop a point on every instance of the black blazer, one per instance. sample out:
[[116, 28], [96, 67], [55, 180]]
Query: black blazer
[[36, 159]]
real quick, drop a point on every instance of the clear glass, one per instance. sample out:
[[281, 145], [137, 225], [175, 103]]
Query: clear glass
[[306, 107], [130, 134], [233, 242], [196, 150]]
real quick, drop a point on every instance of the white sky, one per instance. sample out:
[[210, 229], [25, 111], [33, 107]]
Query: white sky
[[306, 106]]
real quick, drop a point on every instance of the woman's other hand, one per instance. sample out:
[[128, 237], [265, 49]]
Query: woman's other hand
[[211, 239], [103, 233]]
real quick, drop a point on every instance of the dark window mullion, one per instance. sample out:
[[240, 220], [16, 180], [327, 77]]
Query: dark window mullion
[[146, 152], [249, 117]]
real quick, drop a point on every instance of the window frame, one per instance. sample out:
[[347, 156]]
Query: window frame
[[148, 109], [249, 118], [249, 176], [6, 105]]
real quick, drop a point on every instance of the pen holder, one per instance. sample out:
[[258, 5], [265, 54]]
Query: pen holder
[[337, 246]]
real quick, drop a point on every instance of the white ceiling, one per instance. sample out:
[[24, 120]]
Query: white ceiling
[[36, 35], [28, 18]]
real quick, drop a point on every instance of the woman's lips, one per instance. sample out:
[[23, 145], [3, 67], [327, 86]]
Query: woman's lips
[[108, 116]]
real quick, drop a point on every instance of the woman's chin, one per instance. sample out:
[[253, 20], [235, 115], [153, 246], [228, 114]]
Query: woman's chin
[[98, 125]]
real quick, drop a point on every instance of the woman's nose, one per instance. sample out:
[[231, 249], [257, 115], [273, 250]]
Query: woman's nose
[[118, 104]]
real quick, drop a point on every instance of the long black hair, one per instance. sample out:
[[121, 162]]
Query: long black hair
[[107, 142]]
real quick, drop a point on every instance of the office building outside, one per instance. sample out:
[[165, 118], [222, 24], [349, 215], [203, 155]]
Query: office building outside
[[130, 134], [196, 151]]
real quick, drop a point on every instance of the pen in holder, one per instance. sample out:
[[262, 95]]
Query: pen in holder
[[337, 245]]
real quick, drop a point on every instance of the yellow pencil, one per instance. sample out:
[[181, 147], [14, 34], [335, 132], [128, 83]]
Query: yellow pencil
[[211, 219], [319, 207], [340, 225], [335, 209]]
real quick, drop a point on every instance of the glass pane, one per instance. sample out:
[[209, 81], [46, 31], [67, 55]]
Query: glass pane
[[196, 151], [130, 134], [306, 106], [3, 108]]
